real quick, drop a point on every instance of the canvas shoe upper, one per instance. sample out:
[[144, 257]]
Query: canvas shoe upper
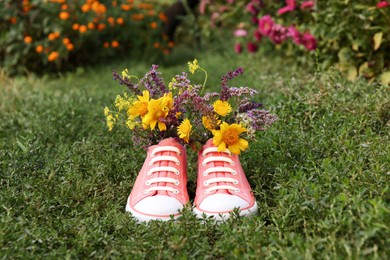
[[160, 190], [222, 185]]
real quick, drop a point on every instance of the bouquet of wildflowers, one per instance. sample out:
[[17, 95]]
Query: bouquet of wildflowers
[[183, 110]]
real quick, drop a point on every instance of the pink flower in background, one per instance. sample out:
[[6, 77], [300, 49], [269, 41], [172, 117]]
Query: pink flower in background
[[254, 20], [250, 7], [294, 34], [257, 35], [240, 33], [290, 6], [202, 6], [307, 5], [382, 4], [238, 48], [265, 25], [278, 33], [309, 41], [230, 1], [252, 47]]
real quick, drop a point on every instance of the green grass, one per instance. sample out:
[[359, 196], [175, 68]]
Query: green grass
[[320, 174]]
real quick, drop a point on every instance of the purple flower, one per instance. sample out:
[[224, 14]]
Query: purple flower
[[225, 94], [261, 119], [125, 81], [246, 104], [265, 25], [153, 83]]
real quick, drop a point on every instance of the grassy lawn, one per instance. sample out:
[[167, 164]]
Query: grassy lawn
[[320, 174]]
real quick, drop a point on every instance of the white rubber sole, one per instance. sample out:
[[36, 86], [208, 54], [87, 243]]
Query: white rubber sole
[[252, 211], [145, 218]]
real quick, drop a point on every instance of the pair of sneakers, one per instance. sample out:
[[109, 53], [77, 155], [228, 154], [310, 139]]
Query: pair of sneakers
[[160, 190]]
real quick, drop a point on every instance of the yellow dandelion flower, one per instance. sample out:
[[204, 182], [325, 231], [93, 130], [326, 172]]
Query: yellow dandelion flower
[[193, 66], [158, 109], [210, 122], [229, 137], [184, 130], [222, 108], [140, 107]]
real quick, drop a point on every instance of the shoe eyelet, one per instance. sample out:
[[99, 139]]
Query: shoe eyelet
[[232, 163], [148, 174], [147, 183], [205, 183], [150, 164], [236, 182], [234, 173], [203, 155], [205, 174], [175, 192], [153, 155], [178, 154], [203, 164], [177, 172], [146, 191], [206, 191], [177, 183], [237, 190], [178, 163]]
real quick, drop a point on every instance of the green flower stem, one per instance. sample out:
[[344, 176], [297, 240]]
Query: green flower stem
[[205, 79]]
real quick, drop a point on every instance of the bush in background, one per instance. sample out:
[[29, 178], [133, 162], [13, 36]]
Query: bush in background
[[53, 35], [352, 35]]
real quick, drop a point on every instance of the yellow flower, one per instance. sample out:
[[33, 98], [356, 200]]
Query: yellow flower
[[222, 108], [125, 74], [106, 111], [184, 129], [110, 122], [123, 103], [193, 66], [131, 124], [140, 107], [158, 110], [170, 86], [229, 137], [210, 122]]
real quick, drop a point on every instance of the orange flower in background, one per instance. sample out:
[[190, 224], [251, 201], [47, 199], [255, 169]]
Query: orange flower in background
[[69, 47], [120, 20], [64, 7], [101, 26], [27, 39], [39, 49], [85, 8], [111, 21], [151, 13], [12, 20], [156, 45], [166, 51], [51, 36], [64, 15], [114, 44], [91, 26], [52, 56], [137, 17], [171, 44], [145, 6], [153, 25], [75, 26], [65, 41], [114, 3], [83, 29], [106, 44], [126, 7], [56, 34], [163, 17]]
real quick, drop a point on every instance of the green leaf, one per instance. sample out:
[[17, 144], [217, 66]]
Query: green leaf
[[385, 78]]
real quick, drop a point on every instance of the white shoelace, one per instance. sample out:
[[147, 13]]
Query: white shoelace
[[163, 158], [219, 169]]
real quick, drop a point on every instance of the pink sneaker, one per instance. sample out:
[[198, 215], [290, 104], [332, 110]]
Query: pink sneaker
[[222, 185], [160, 189]]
